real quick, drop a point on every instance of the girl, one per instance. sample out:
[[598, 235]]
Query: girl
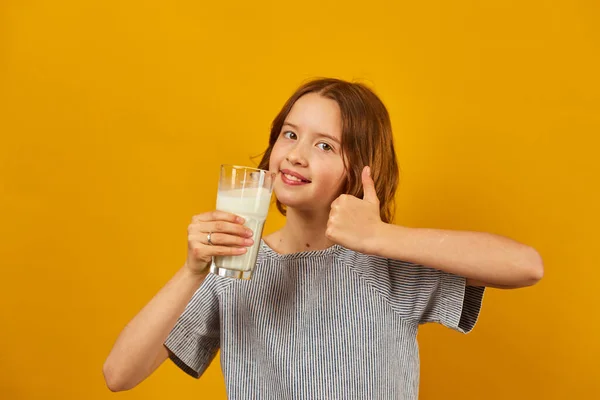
[[337, 295]]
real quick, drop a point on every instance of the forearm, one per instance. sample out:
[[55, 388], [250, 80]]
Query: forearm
[[483, 257], [139, 348]]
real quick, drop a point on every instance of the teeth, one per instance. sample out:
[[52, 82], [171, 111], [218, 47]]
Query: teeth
[[293, 178]]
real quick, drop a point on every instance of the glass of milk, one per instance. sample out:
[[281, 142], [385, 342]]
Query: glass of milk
[[246, 192]]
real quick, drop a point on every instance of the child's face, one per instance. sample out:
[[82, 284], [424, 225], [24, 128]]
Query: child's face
[[302, 148]]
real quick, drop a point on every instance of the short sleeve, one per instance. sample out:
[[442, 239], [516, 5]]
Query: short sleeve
[[194, 340], [429, 295]]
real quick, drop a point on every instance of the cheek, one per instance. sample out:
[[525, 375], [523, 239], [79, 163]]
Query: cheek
[[274, 159], [338, 172], [341, 179], [272, 164], [278, 150], [335, 178]]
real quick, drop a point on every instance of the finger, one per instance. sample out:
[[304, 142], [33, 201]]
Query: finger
[[228, 227], [228, 251], [220, 226], [220, 239], [369, 192], [218, 215], [220, 251]]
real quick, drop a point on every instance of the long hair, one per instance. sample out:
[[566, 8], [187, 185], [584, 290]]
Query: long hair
[[366, 138]]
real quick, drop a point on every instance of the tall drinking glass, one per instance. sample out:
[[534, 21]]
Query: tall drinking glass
[[246, 192]]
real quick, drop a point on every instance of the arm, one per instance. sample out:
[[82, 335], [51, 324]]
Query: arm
[[139, 349], [484, 259]]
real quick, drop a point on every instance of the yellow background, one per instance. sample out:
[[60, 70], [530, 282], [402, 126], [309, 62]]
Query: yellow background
[[114, 118]]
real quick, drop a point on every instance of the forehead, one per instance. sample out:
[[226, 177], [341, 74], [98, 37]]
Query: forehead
[[316, 113]]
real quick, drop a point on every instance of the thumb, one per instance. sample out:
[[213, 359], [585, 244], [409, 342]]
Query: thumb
[[369, 193]]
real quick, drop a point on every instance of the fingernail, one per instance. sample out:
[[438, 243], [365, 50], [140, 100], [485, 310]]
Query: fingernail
[[249, 232], [240, 220], [249, 241]]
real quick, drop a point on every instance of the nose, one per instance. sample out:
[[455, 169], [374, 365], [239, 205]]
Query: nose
[[296, 156]]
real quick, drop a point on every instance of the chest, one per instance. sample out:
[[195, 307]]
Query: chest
[[305, 305]]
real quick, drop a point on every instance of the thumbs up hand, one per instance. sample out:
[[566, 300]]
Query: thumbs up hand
[[355, 223]]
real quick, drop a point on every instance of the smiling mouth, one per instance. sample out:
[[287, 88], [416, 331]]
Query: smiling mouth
[[292, 178]]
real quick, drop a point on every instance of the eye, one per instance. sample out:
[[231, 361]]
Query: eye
[[325, 146], [289, 135]]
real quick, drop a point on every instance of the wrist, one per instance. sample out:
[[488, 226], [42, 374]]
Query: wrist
[[193, 274], [386, 236], [376, 242]]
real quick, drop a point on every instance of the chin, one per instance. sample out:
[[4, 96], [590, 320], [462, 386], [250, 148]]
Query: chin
[[302, 205], [290, 201]]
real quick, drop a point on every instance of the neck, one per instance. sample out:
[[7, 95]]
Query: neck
[[303, 231]]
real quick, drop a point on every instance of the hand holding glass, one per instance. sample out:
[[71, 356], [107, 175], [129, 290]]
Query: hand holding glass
[[246, 192]]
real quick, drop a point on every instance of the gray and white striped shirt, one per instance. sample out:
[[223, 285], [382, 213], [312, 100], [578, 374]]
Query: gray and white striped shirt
[[325, 324]]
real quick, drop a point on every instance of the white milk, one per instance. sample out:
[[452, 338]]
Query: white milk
[[253, 205]]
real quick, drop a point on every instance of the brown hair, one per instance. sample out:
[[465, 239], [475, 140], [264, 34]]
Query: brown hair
[[366, 138]]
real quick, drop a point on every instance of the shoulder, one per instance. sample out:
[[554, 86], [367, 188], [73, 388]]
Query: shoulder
[[374, 270], [368, 262], [388, 272]]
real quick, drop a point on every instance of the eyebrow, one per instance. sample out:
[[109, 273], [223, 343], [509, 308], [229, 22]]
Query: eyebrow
[[320, 134]]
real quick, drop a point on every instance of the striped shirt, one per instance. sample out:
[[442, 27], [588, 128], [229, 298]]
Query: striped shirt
[[323, 324]]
